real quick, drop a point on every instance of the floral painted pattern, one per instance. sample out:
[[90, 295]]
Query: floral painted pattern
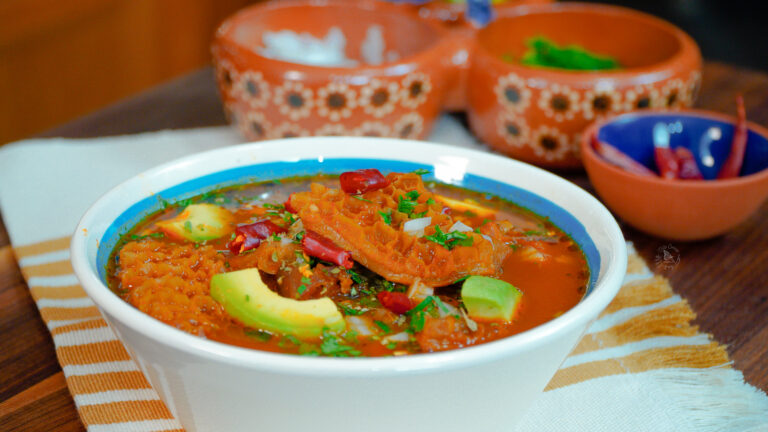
[[512, 93], [255, 127], [549, 143], [415, 88], [335, 101], [378, 98], [408, 126], [293, 100], [252, 88], [226, 75], [372, 129], [513, 129], [559, 102], [642, 96], [332, 129], [288, 130], [601, 101], [674, 94]]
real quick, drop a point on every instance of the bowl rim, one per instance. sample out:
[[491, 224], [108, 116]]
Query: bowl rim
[[589, 153], [586, 310], [443, 41], [687, 43]]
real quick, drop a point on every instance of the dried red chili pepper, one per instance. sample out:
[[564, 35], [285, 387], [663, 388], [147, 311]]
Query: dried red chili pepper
[[362, 181], [318, 246], [689, 170], [249, 236], [397, 302], [288, 206], [732, 166], [616, 157], [666, 162]]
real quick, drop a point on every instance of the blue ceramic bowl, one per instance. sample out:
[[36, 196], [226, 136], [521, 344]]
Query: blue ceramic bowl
[[707, 137], [678, 209]]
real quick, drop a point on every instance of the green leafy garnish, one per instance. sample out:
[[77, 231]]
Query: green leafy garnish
[[359, 198], [542, 52], [301, 289], [408, 203], [383, 326], [421, 171], [334, 347], [152, 235], [348, 310], [387, 216], [451, 239], [355, 276]]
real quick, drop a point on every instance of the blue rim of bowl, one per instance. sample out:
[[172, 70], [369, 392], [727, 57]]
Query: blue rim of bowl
[[265, 172]]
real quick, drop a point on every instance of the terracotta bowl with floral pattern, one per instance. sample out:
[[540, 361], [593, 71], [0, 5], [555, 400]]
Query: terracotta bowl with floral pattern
[[537, 114], [267, 98]]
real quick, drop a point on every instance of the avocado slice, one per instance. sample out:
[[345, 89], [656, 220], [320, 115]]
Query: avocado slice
[[245, 297], [198, 223], [490, 299]]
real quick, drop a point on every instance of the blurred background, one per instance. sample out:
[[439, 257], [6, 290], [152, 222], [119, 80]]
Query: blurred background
[[60, 60]]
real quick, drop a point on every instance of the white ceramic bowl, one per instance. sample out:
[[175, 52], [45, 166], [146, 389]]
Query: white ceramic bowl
[[211, 386]]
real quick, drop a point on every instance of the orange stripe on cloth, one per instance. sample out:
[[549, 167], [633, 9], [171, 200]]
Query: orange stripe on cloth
[[640, 293], [56, 268], [84, 325], [672, 320], [682, 356], [95, 383], [57, 293], [42, 247], [118, 412], [99, 352], [58, 313]]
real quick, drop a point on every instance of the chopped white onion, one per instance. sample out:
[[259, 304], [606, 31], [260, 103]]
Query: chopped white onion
[[416, 226], [285, 240], [418, 291], [460, 227], [487, 237], [361, 325], [397, 337], [446, 309]]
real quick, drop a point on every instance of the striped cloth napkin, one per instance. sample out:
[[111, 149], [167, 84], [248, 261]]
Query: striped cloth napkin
[[641, 366]]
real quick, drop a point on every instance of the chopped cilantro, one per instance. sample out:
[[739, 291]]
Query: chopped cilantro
[[348, 310], [431, 201], [387, 216], [297, 238], [301, 289], [412, 195], [421, 171], [359, 198], [152, 235], [451, 239], [333, 346], [356, 276], [274, 206], [306, 280], [513, 246], [406, 205], [461, 279], [275, 237], [383, 326], [392, 345]]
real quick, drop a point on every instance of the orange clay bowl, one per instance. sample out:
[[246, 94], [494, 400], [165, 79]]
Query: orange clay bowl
[[537, 114], [678, 209], [268, 98]]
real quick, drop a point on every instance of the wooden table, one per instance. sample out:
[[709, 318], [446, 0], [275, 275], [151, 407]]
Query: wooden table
[[724, 279]]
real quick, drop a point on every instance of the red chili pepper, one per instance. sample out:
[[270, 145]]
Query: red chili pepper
[[620, 159], [249, 236], [397, 302], [666, 162], [732, 165], [288, 206], [320, 247], [689, 170], [362, 181]]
